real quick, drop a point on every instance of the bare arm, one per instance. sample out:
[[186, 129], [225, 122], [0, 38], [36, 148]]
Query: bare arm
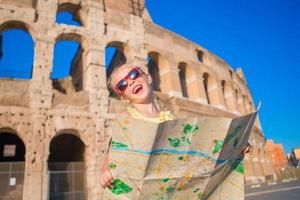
[[106, 178]]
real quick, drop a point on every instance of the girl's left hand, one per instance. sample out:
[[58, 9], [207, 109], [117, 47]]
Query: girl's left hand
[[247, 149]]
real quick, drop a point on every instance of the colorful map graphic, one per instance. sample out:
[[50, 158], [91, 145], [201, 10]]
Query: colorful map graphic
[[192, 158]]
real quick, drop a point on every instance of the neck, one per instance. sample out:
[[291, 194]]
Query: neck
[[148, 109]]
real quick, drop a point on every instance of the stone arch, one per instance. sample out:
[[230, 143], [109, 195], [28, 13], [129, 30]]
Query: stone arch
[[72, 80], [66, 164], [73, 135], [245, 104], [182, 70], [153, 69], [210, 85], [251, 106], [118, 51], [229, 95], [69, 1], [13, 24], [157, 67], [12, 163], [205, 77], [71, 131], [22, 127], [236, 98], [230, 74], [200, 55], [16, 62], [73, 37], [71, 8], [224, 89], [58, 129], [14, 136], [239, 101]]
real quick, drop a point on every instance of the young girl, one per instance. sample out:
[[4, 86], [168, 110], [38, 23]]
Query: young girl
[[134, 87]]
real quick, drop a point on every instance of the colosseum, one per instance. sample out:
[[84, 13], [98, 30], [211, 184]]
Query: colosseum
[[53, 132]]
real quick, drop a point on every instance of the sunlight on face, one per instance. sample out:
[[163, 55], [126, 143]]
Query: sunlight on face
[[137, 90]]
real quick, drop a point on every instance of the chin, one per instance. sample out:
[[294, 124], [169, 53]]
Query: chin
[[140, 99]]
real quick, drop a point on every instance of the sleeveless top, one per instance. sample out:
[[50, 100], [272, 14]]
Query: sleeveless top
[[163, 116]]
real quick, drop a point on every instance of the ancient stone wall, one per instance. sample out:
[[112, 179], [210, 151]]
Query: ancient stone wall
[[41, 109]]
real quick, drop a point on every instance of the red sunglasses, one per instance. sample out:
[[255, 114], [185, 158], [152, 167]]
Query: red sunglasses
[[132, 75]]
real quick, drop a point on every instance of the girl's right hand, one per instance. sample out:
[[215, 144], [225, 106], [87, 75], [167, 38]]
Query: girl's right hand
[[106, 179]]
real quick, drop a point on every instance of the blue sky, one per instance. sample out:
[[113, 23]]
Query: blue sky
[[262, 37]]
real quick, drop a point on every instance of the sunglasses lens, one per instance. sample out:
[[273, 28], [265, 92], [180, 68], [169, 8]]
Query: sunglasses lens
[[122, 85], [133, 74]]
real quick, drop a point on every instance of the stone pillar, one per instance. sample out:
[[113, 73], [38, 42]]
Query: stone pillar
[[94, 81], [36, 176], [92, 16], [46, 11], [136, 52], [94, 72], [240, 104], [94, 85], [41, 84], [230, 99], [170, 83], [101, 143], [247, 106], [196, 89], [216, 95], [92, 170]]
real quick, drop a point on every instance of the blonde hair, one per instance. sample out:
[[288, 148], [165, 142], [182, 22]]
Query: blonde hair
[[111, 76]]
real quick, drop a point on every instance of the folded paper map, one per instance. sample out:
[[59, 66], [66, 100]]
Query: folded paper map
[[191, 158]]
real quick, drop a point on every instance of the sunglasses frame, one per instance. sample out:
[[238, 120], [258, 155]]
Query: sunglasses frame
[[141, 72]]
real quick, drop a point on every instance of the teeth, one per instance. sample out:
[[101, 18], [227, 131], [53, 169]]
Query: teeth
[[136, 89]]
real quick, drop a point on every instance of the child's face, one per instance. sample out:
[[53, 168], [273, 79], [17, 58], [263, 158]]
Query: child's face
[[133, 90]]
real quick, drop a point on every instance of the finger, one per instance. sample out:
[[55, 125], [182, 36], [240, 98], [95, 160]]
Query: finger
[[107, 184], [251, 148], [246, 150], [111, 185]]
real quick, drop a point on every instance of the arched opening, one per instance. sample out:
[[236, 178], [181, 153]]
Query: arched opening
[[245, 104], [66, 168], [16, 60], [12, 165], [114, 57], [231, 74], [205, 84], [251, 107], [182, 77], [236, 97], [68, 13], [199, 55], [153, 68], [67, 70], [239, 101], [224, 92]]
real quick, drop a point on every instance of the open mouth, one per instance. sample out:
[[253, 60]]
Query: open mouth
[[137, 89]]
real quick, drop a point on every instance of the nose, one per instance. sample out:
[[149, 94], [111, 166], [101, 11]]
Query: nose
[[130, 82]]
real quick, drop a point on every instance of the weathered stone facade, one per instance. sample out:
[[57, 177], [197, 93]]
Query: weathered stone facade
[[191, 81]]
